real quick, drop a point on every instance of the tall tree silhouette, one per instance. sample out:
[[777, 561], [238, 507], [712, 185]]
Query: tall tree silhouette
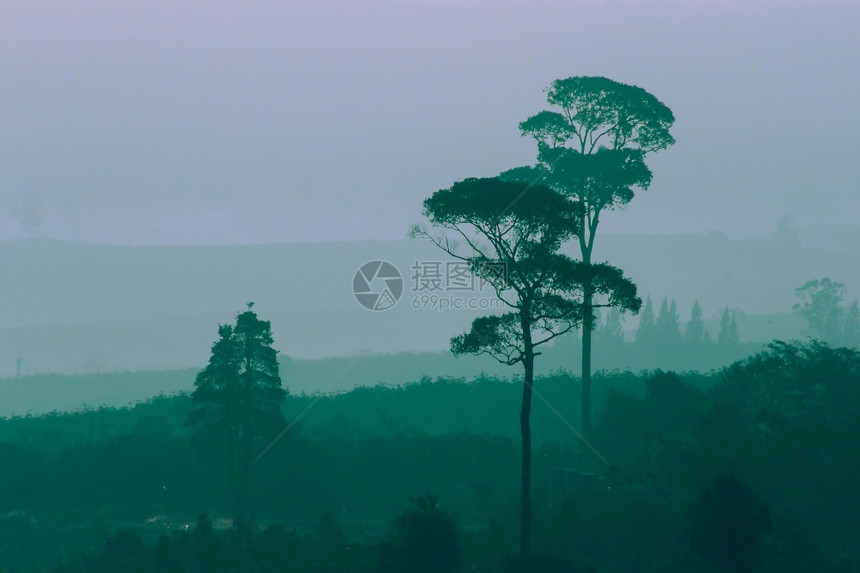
[[611, 332], [851, 330], [512, 231], [646, 332], [695, 333], [593, 149], [728, 336], [668, 326], [237, 397]]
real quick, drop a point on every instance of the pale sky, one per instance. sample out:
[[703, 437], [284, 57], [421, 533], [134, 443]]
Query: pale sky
[[147, 123]]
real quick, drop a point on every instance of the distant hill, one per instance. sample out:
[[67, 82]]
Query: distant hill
[[78, 308]]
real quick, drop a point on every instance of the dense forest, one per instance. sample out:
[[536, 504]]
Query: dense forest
[[746, 468]]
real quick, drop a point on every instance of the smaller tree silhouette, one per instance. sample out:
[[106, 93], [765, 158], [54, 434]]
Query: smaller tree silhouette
[[851, 329], [729, 525], [728, 335], [236, 399], [425, 540], [610, 332], [124, 551], [208, 553], [275, 549], [695, 333], [646, 332], [668, 326], [820, 301], [166, 556]]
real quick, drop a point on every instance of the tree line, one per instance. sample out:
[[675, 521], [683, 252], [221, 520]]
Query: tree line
[[738, 470], [662, 330]]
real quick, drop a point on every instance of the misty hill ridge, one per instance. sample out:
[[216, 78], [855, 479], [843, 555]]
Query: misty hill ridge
[[76, 307]]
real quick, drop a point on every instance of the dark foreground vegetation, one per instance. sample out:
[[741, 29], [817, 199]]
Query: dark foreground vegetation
[[752, 468]]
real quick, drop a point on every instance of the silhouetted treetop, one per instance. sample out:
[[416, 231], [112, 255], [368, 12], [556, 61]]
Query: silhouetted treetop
[[492, 205], [597, 111]]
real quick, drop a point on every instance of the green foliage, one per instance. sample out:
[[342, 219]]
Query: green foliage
[[596, 107], [593, 148], [535, 214], [239, 392], [778, 421], [518, 227], [602, 179], [791, 383], [821, 305], [425, 540], [729, 524]]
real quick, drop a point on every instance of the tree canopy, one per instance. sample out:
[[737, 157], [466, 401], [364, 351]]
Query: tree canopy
[[593, 147]]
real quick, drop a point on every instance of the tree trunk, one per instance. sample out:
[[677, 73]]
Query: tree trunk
[[526, 474], [234, 459], [239, 497], [587, 326], [243, 468]]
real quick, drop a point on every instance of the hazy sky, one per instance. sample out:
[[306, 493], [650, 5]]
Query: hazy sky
[[149, 122]]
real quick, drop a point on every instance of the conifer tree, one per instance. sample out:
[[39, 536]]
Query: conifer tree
[[646, 331], [668, 325], [695, 334], [728, 335], [236, 399]]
